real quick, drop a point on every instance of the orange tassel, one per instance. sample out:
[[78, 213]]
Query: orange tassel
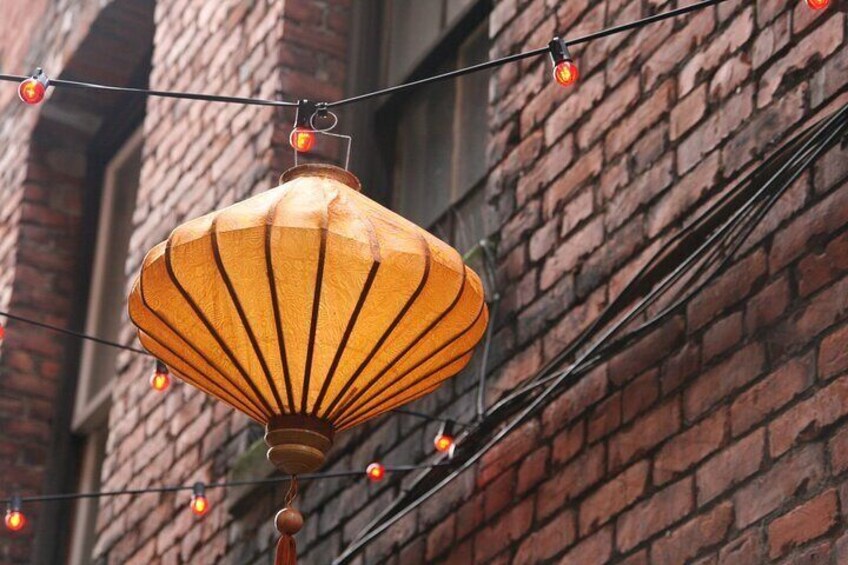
[[286, 551], [288, 521]]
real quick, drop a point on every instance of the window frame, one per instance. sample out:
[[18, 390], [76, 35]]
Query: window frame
[[88, 411], [386, 112]]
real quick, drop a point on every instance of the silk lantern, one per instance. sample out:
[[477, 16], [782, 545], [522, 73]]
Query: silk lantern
[[310, 308]]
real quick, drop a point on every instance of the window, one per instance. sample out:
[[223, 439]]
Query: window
[[106, 305], [439, 131]]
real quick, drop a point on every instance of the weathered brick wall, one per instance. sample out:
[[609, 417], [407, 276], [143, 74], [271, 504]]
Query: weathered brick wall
[[720, 438]]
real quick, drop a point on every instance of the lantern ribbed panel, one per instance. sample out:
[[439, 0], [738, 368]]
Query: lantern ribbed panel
[[309, 299]]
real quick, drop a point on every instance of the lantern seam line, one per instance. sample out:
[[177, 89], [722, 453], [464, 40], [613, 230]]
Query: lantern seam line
[[251, 409], [336, 411], [366, 289], [209, 328], [363, 409], [358, 395], [257, 408], [222, 270], [316, 303], [275, 302], [377, 259]]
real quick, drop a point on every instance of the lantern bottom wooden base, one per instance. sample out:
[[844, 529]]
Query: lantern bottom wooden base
[[298, 444]]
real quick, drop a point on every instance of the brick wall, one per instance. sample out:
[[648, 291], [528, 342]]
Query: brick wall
[[719, 438]]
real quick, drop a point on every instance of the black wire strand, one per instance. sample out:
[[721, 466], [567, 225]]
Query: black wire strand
[[79, 335], [158, 93], [216, 485], [384, 91]]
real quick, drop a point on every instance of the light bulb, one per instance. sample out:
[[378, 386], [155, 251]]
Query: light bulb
[[302, 139], [376, 472], [160, 380], [566, 73]]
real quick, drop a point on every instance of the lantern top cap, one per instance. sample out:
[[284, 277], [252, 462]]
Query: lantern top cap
[[324, 170]]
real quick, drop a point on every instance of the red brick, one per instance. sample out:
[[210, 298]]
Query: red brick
[[721, 336], [684, 543], [613, 497], [730, 466], [688, 112], [767, 305], [689, 447], [568, 443], [645, 433], [510, 527], [574, 401], [572, 481], [654, 515], [605, 418], [547, 541], [747, 549], [499, 493], [532, 470], [833, 355], [732, 374], [732, 285], [569, 252], [798, 472], [792, 241], [639, 395], [441, 538], [808, 521], [837, 447], [596, 550], [683, 195], [824, 42], [506, 453], [806, 419], [773, 392], [818, 270], [647, 352]]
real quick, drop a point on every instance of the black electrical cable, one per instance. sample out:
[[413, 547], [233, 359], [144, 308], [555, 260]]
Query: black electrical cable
[[405, 86], [527, 54], [79, 335], [221, 484], [825, 135], [159, 93]]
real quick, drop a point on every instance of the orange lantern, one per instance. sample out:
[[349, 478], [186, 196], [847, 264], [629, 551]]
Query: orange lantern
[[310, 308]]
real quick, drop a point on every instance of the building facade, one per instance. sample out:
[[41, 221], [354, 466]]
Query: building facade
[[721, 437]]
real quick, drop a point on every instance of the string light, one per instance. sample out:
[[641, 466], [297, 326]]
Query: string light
[[376, 472], [15, 519], [818, 4], [444, 441], [32, 90], [160, 380], [302, 140], [199, 502], [600, 34], [565, 71], [2, 332]]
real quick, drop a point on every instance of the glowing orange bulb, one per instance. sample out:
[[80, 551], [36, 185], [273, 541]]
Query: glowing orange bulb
[[818, 4], [566, 73], [443, 443], [302, 139], [2, 332], [376, 472], [31, 91], [160, 380], [15, 520], [199, 504]]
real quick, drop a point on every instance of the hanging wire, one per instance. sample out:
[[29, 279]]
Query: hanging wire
[[217, 485], [381, 92], [73, 333], [782, 169]]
